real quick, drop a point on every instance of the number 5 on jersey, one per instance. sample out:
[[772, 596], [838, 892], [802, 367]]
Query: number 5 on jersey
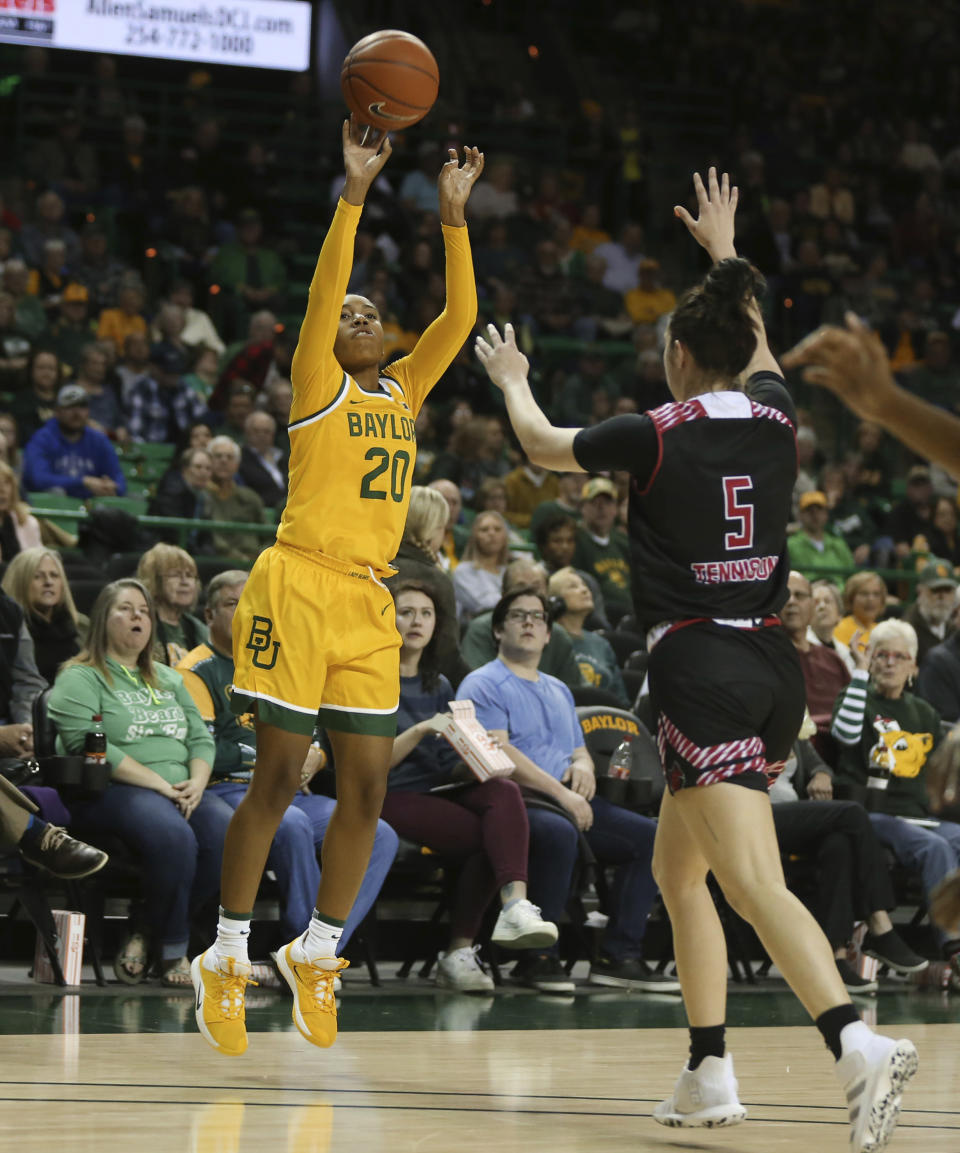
[[739, 511]]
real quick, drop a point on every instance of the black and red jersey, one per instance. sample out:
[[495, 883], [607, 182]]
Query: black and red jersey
[[710, 497]]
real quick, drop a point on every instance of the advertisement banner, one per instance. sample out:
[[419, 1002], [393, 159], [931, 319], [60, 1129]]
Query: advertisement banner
[[250, 33]]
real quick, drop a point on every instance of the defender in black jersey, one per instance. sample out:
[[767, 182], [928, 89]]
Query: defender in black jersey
[[711, 481]]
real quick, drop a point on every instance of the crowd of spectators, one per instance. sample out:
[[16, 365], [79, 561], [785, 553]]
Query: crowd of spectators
[[145, 303]]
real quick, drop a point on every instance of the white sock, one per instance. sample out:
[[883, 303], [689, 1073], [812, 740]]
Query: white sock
[[320, 942], [856, 1035], [232, 936]]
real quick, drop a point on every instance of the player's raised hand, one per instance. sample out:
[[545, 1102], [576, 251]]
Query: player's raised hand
[[851, 362], [365, 152], [504, 362], [456, 180], [716, 208]]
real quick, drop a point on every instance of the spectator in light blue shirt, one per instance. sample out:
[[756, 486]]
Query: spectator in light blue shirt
[[65, 455], [534, 717]]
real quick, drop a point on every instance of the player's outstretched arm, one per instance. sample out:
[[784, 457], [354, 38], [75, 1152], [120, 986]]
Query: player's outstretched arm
[[508, 368], [714, 229], [314, 365], [442, 340], [852, 363]]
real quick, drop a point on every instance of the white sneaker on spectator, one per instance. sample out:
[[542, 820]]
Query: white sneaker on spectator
[[522, 927], [705, 1097], [461, 970], [874, 1073]]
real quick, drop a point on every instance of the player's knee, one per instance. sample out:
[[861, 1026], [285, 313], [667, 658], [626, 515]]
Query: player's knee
[[748, 895], [274, 787], [360, 793]]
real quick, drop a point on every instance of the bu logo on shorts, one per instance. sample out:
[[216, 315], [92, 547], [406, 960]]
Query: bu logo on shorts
[[260, 643]]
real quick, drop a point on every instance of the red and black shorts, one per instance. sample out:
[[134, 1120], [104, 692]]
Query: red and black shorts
[[729, 703]]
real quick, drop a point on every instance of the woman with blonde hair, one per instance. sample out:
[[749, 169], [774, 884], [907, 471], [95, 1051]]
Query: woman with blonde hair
[[864, 599], [160, 756], [36, 580], [19, 528], [418, 558], [169, 574], [479, 575]]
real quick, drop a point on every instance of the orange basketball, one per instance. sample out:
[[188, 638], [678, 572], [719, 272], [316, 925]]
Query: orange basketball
[[389, 79]]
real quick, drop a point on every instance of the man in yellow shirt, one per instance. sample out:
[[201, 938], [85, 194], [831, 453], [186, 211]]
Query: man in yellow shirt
[[649, 300]]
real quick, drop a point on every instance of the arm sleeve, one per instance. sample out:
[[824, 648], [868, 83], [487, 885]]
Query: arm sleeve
[[314, 364], [491, 711], [199, 742], [850, 710], [76, 697], [770, 389], [438, 346], [28, 684], [627, 442]]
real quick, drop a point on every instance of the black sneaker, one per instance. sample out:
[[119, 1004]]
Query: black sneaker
[[852, 980], [543, 972], [631, 973], [57, 852], [891, 950]]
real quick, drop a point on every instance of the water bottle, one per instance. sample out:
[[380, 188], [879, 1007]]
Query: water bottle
[[620, 759], [95, 745]]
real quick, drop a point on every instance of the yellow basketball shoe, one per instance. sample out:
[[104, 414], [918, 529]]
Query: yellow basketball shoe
[[219, 983], [314, 1003]]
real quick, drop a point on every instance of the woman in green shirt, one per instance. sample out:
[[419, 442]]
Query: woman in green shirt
[[160, 755]]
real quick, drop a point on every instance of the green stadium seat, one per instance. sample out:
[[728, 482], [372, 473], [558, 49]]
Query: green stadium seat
[[135, 505], [44, 500]]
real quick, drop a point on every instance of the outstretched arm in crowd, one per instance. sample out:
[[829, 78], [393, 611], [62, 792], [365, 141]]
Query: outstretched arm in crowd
[[852, 363]]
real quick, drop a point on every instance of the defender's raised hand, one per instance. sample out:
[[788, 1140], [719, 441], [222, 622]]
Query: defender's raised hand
[[717, 206], [504, 362]]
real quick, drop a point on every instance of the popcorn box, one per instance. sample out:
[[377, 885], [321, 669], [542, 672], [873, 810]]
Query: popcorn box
[[69, 927], [463, 731]]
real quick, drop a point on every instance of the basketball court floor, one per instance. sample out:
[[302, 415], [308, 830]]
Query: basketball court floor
[[416, 1069]]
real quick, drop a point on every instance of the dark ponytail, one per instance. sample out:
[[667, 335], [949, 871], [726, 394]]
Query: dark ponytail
[[713, 321]]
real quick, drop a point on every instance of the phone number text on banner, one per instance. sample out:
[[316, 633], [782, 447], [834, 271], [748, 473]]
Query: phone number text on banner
[[252, 33]]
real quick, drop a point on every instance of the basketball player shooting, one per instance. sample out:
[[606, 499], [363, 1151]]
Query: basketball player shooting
[[711, 482], [314, 633]]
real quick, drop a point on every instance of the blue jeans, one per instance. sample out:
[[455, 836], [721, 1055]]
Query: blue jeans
[[180, 859], [293, 859], [932, 852], [617, 837]]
